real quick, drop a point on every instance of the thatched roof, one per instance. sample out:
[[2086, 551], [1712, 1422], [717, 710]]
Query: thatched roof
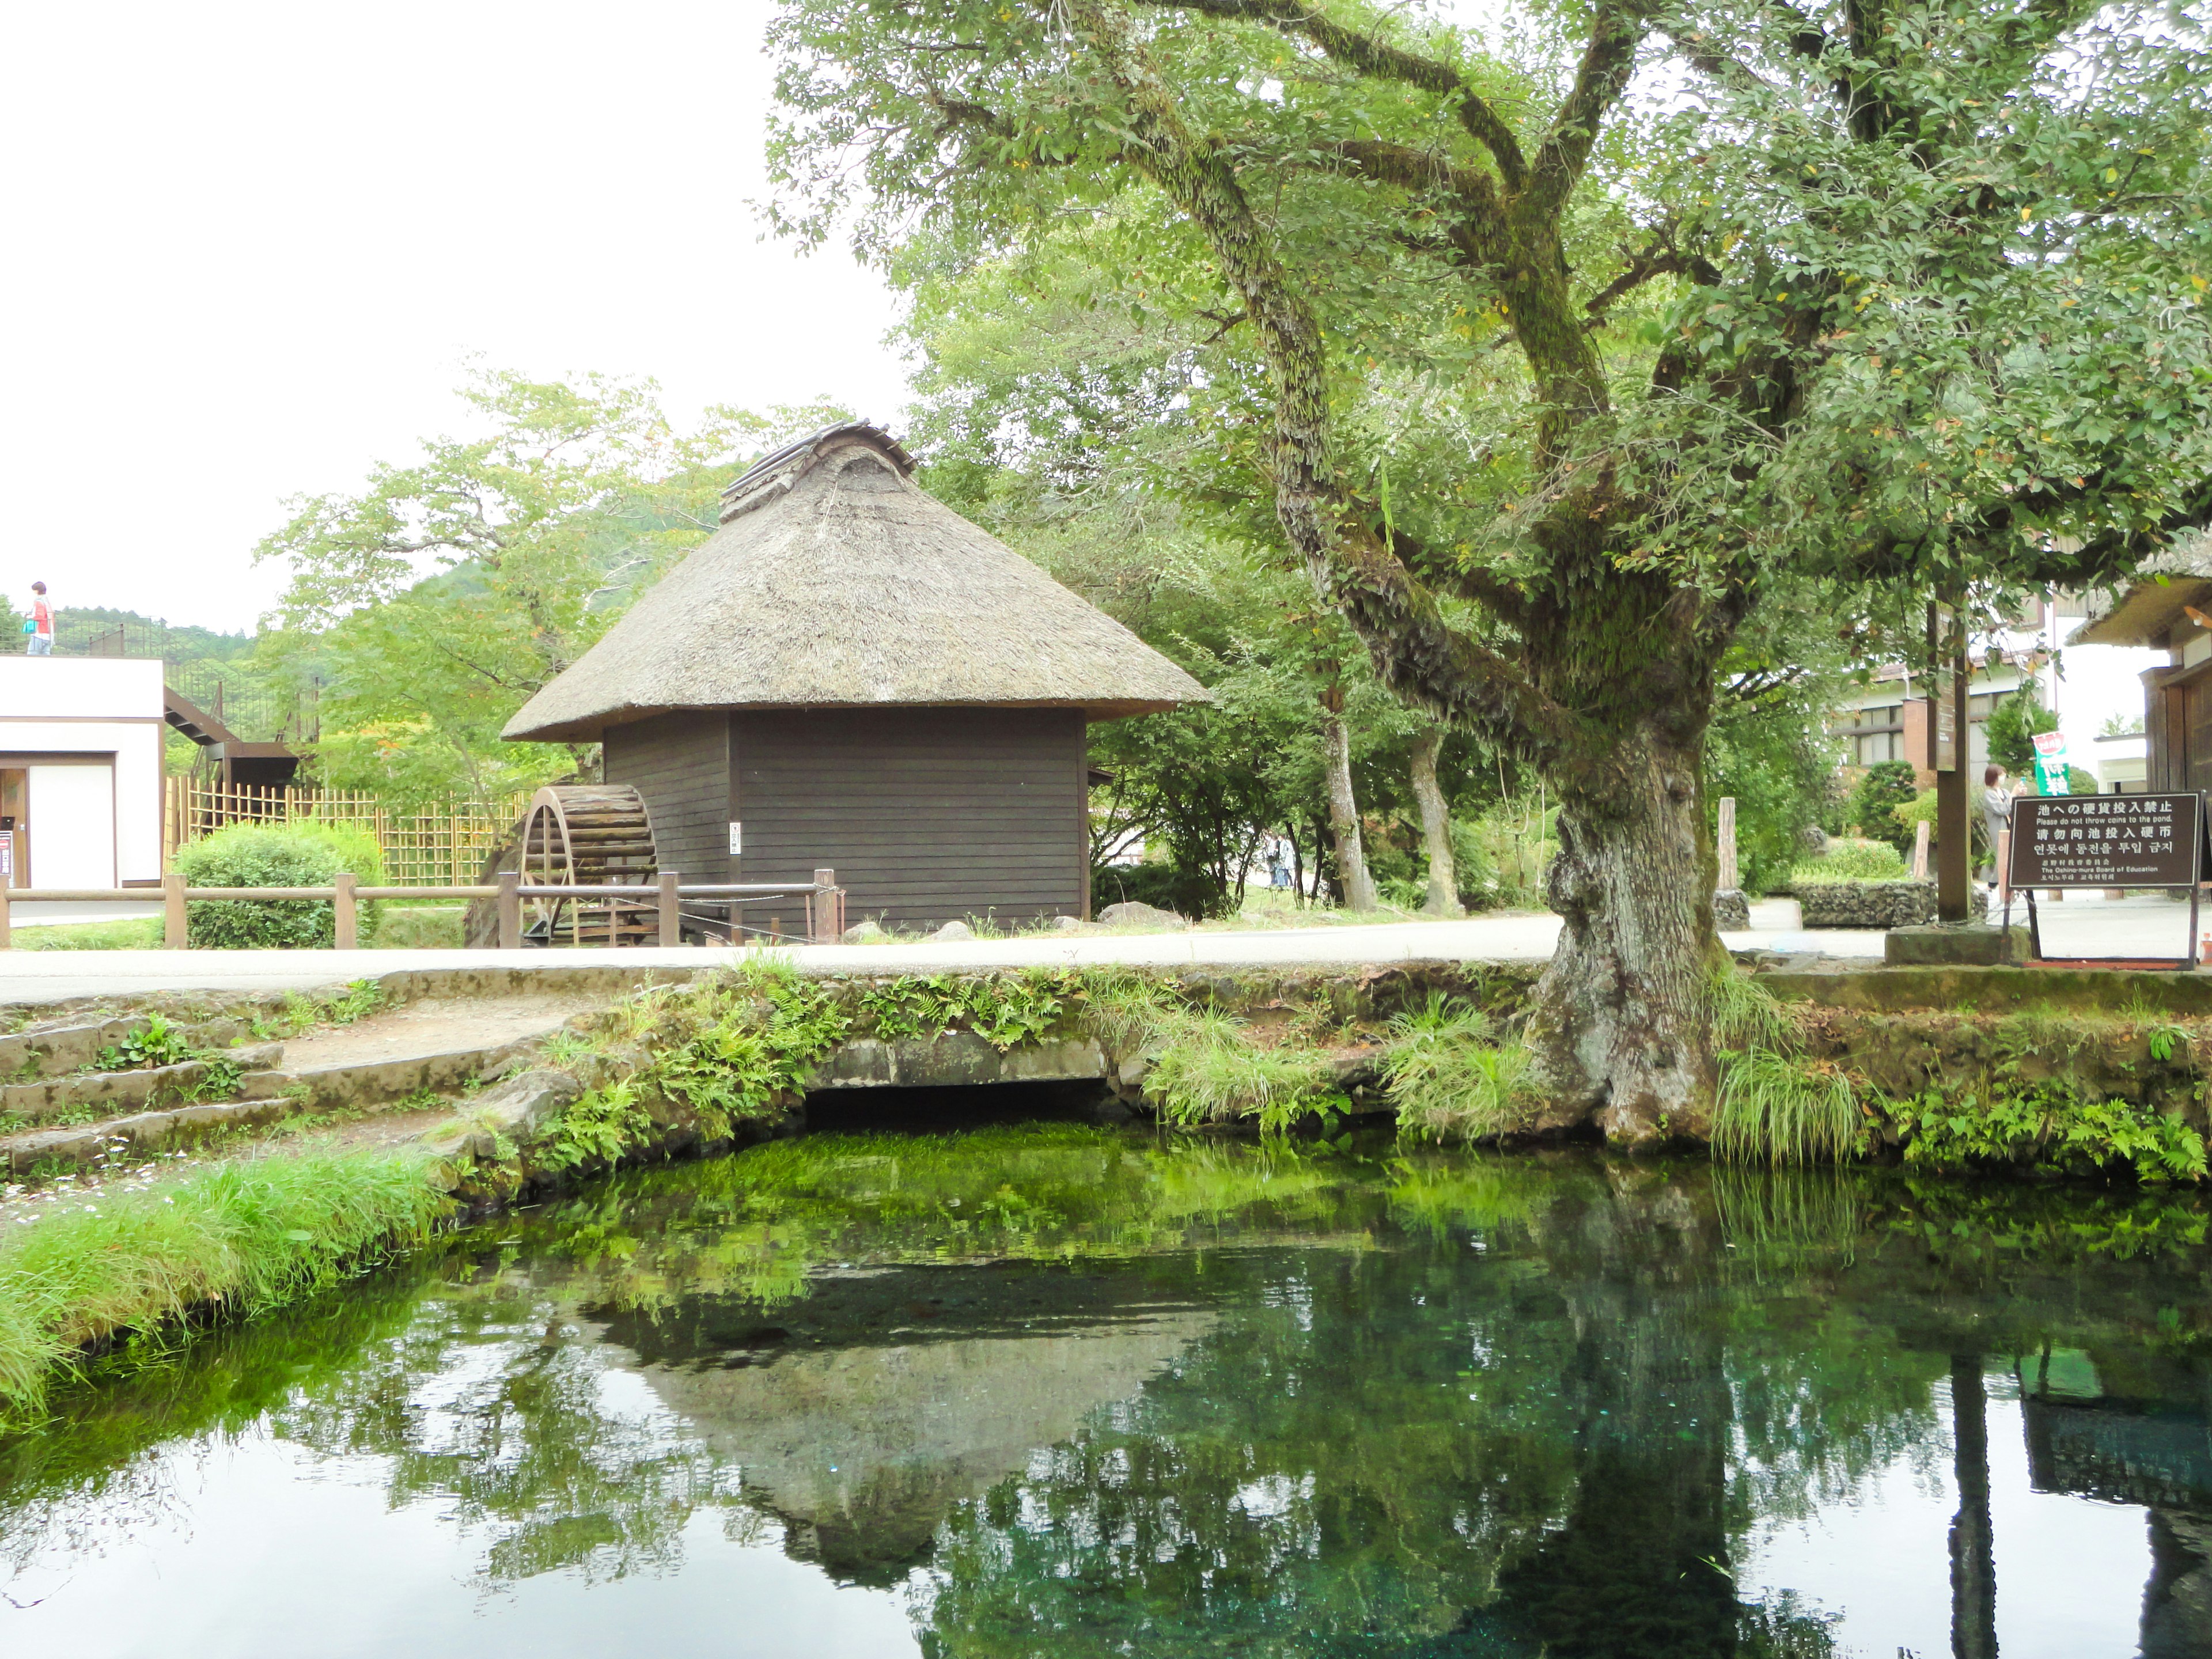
[[834, 582]]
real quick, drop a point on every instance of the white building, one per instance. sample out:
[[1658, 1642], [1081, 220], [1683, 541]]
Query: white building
[[2095, 689], [81, 771]]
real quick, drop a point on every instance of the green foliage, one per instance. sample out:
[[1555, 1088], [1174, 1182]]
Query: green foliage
[[2013, 726], [134, 933], [302, 1012], [1449, 1078], [597, 1129], [239, 1237], [1853, 860], [2053, 1125], [421, 927], [1210, 1071], [730, 1047], [1777, 1109], [440, 597], [160, 1044], [219, 1081], [1887, 787], [297, 852], [1007, 1010], [1775, 1106], [1747, 1015]]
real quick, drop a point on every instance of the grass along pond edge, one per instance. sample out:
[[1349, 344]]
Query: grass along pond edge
[[724, 1060]]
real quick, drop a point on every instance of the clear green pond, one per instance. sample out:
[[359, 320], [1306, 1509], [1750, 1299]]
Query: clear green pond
[[1059, 1390]]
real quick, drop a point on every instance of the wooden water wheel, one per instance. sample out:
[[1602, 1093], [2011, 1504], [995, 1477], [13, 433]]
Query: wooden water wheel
[[587, 835]]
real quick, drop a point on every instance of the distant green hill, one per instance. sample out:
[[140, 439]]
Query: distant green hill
[[80, 628]]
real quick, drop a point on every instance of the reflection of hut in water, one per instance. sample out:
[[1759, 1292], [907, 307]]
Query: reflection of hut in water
[[2123, 1451], [848, 675], [911, 1402]]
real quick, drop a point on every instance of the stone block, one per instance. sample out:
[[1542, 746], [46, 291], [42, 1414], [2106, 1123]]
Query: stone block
[[1945, 944], [1150, 914], [1883, 904], [1731, 910]]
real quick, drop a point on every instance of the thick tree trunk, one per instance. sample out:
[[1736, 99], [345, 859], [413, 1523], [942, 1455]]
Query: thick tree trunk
[[1344, 815], [1442, 898], [1620, 1032]]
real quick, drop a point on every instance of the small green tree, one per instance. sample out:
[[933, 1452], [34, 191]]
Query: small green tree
[[2012, 728], [435, 601], [1887, 786]]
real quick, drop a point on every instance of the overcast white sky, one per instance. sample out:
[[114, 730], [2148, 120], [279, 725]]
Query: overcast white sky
[[248, 247]]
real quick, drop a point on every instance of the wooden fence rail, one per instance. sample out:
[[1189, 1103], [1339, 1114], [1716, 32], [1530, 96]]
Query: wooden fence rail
[[824, 898]]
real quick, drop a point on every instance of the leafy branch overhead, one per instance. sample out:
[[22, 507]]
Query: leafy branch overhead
[[1893, 296]]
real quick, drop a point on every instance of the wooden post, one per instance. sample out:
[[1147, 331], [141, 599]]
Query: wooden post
[[347, 913], [510, 910], [7, 922], [671, 912], [172, 912], [1920, 832], [825, 908], [1726, 838], [1953, 831]]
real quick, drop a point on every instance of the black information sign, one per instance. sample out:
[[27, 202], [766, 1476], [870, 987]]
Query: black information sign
[[2108, 841]]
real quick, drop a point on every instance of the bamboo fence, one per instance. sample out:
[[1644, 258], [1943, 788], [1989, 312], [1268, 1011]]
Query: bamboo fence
[[446, 847]]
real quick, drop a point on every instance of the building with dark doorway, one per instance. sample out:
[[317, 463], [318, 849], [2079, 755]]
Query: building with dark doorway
[[848, 675]]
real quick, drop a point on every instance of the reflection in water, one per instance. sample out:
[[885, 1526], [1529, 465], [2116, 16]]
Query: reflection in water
[[1066, 1390]]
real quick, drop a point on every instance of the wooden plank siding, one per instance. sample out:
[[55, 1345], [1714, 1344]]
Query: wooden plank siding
[[928, 815], [680, 763]]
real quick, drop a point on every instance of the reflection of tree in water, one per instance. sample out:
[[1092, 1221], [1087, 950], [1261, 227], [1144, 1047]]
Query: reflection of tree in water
[[1445, 1405]]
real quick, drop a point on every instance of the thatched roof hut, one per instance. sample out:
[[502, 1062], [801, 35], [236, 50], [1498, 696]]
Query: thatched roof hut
[[856, 677], [833, 581]]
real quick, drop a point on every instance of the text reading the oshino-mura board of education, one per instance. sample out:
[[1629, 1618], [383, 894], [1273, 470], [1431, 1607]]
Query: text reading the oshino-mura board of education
[[2106, 841]]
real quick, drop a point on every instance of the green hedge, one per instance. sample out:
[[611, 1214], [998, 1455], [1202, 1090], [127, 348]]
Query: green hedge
[[298, 854]]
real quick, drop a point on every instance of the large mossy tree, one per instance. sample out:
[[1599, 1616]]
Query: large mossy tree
[[1554, 360]]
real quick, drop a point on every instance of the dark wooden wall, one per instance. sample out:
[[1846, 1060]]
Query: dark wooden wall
[[681, 764], [926, 815]]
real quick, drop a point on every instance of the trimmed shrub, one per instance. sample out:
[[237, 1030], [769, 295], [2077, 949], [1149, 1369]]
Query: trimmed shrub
[[1887, 786], [1852, 860], [299, 852]]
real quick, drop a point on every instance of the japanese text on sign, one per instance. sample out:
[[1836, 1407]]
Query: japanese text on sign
[[2106, 841]]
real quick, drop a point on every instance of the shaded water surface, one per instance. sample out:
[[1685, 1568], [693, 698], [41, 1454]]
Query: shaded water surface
[[1056, 1390]]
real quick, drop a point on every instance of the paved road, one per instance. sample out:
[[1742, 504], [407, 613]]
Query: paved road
[[52, 975]]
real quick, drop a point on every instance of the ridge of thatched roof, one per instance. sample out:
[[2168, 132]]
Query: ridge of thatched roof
[[834, 582]]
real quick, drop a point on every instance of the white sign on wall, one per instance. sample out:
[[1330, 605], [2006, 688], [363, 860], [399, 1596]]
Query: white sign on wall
[[737, 840]]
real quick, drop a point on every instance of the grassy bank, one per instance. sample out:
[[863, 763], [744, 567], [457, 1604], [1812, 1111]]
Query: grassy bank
[[691, 1069], [139, 1257], [406, 927]]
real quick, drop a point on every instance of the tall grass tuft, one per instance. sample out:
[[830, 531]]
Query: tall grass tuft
[[1446, 1079], [1210, 1071], [243, 1238], [1747, 1015], [1777, 1109]]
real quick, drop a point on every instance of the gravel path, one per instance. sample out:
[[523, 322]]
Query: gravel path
[[46, 976]]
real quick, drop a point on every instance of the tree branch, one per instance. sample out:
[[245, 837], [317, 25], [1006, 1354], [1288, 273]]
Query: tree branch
[[1660, 257], [1615, 32], [1372, 56]]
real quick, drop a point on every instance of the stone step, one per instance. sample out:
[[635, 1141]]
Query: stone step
[[264, 1097], [381, 1082], [112, 1091], [141, 1132], [52, 1050]]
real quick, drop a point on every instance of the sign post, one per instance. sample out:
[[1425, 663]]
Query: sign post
[[2059, 841]]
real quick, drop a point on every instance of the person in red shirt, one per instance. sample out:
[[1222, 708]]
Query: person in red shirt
[[42, 623]]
